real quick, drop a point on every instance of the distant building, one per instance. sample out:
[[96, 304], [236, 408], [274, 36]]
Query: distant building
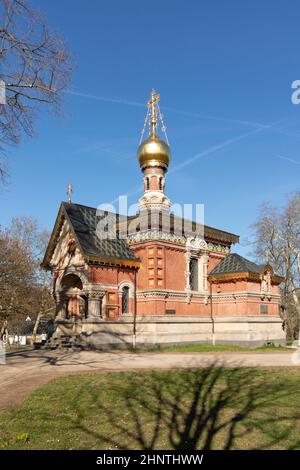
[[168, 281]]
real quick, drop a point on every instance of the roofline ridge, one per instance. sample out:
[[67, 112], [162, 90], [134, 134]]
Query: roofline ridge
[[66, 203]]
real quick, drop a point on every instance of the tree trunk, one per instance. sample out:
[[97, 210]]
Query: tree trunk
[[297, 306]]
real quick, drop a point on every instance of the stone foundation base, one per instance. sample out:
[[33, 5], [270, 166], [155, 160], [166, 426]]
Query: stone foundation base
[[150, 331]]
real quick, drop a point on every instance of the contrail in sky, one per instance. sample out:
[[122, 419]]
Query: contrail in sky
[[102, 98], [215, 148], [177, 111], [288, 159]]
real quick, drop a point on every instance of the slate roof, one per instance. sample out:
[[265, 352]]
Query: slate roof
[[234, 263], [84, 221]]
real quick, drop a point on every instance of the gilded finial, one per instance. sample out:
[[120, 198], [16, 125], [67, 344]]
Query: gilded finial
[[153, 107], [153, 118], [70, 192]]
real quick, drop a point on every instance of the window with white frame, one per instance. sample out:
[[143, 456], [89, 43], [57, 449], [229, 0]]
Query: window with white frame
[[125, 299], [194, 274]]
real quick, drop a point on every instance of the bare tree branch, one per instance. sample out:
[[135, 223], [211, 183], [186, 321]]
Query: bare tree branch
[[277, 241], [35, 66]]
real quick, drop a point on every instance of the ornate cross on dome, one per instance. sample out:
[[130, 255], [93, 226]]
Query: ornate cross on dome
[[154, 110], [153, 117]]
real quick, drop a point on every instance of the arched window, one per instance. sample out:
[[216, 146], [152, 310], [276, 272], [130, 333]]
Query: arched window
[[125, 299], [147, 183], [194, 274], [160, 184], [71, 281]]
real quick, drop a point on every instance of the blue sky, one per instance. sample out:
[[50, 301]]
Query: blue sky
[[224, 72]]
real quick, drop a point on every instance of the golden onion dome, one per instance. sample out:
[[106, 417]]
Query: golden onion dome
[[154, 150]]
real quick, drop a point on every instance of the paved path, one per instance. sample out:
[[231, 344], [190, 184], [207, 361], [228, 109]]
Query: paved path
[[26, 370]]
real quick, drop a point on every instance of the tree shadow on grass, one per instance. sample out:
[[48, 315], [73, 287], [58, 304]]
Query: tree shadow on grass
[[190, 409]]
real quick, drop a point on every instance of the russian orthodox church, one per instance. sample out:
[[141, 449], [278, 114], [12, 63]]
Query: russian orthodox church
[[155, 278]]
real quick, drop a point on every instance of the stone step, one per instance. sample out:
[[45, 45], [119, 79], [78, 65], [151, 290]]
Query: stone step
[[64, 341]]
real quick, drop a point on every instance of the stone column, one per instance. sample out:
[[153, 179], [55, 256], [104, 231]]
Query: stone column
[[94, 303], [205, 259], [187, 271], [60, 305]]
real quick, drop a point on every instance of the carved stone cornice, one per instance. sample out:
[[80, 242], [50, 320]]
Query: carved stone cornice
[[95, 295], [155, 235], [243, 295], [170, 294], [94, 292], [196, 244], [158, 235], [215, 247]]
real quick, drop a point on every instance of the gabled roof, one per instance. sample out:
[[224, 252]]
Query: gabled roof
[[83, 223], [234, 266], [234, 263]]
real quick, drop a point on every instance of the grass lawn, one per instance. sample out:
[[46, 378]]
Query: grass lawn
[[207, 347], [213, 408]]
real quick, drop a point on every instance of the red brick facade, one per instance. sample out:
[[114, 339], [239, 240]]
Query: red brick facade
[[157, 274]]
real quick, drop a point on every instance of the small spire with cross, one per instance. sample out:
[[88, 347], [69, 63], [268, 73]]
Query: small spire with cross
[[70, 192]]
